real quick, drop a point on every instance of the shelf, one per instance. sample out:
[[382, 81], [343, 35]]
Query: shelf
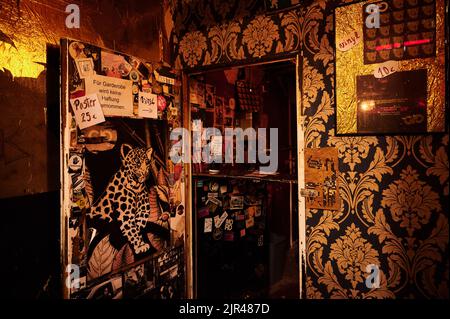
[[275, 178]]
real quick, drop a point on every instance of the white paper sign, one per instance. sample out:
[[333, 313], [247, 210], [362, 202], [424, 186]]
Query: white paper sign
[[349, 41], [147, 105], [216, 145], [88, 111], [114, 94], [385, 69]]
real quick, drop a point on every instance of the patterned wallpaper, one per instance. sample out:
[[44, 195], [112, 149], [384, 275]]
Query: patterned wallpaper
[[394, 189]]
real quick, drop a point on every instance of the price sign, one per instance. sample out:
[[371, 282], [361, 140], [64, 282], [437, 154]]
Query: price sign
[[148, 105], [349, 41], [88, 111], [385, 69]]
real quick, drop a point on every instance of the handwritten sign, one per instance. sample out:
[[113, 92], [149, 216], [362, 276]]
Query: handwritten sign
[[88, 111], [385, 69], [349, 41], [147, 106], [115, 95]]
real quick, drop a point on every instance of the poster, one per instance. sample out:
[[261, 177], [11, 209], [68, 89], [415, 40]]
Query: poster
[[110, 163], [396, 103], [390, 72], [321, 178]]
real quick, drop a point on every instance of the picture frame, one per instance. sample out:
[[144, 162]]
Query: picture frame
[[391, 79], [85, 67]]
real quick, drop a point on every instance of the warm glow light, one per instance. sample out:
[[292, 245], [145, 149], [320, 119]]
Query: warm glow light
[[22, 62], [367, 106]]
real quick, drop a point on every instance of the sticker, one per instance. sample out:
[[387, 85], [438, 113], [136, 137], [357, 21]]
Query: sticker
[[214, 187], [135, 89], [85, 67], [115, 65], [208, 225], [212, 207], [228, 236], [237, 202], [220, 221], [203, 212], [260, 240], [147, 105], [213, 195], [349, 41], [242, 232], [215, 201], [115, 95], [77, 184], [239, 216], [200, 183], [76, 50], [101, 137], [232, 103], [229, 224], [385, 69], [75, 162], [250, 222], [223, 189], [257, 211], [164, 78], [251, 211], [216, 221], [88, 111], [161, 103], [217, 234], [134, 75], [216, 145]]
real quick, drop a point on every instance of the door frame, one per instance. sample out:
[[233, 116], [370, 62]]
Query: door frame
[[190, 244]]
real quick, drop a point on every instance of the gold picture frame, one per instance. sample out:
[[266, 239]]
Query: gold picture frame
[[355, 76]]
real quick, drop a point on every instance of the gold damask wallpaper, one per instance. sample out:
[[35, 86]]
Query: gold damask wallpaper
[[394, 190]]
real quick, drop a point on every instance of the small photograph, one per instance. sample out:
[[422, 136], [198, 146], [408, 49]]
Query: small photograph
[[115, 65], [107, 290], [229, 108], [218, 111], [237, 202], [85, 67], [210, 94], [197, 94], [139, 281]]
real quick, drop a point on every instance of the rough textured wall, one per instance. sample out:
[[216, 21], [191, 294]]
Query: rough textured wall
[[28, 154], [394, 190]]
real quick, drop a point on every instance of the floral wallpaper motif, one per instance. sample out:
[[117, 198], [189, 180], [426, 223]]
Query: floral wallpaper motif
[[260, 35], [394, 189]]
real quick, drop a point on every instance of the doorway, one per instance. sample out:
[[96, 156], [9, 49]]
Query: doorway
[[254, 251]]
